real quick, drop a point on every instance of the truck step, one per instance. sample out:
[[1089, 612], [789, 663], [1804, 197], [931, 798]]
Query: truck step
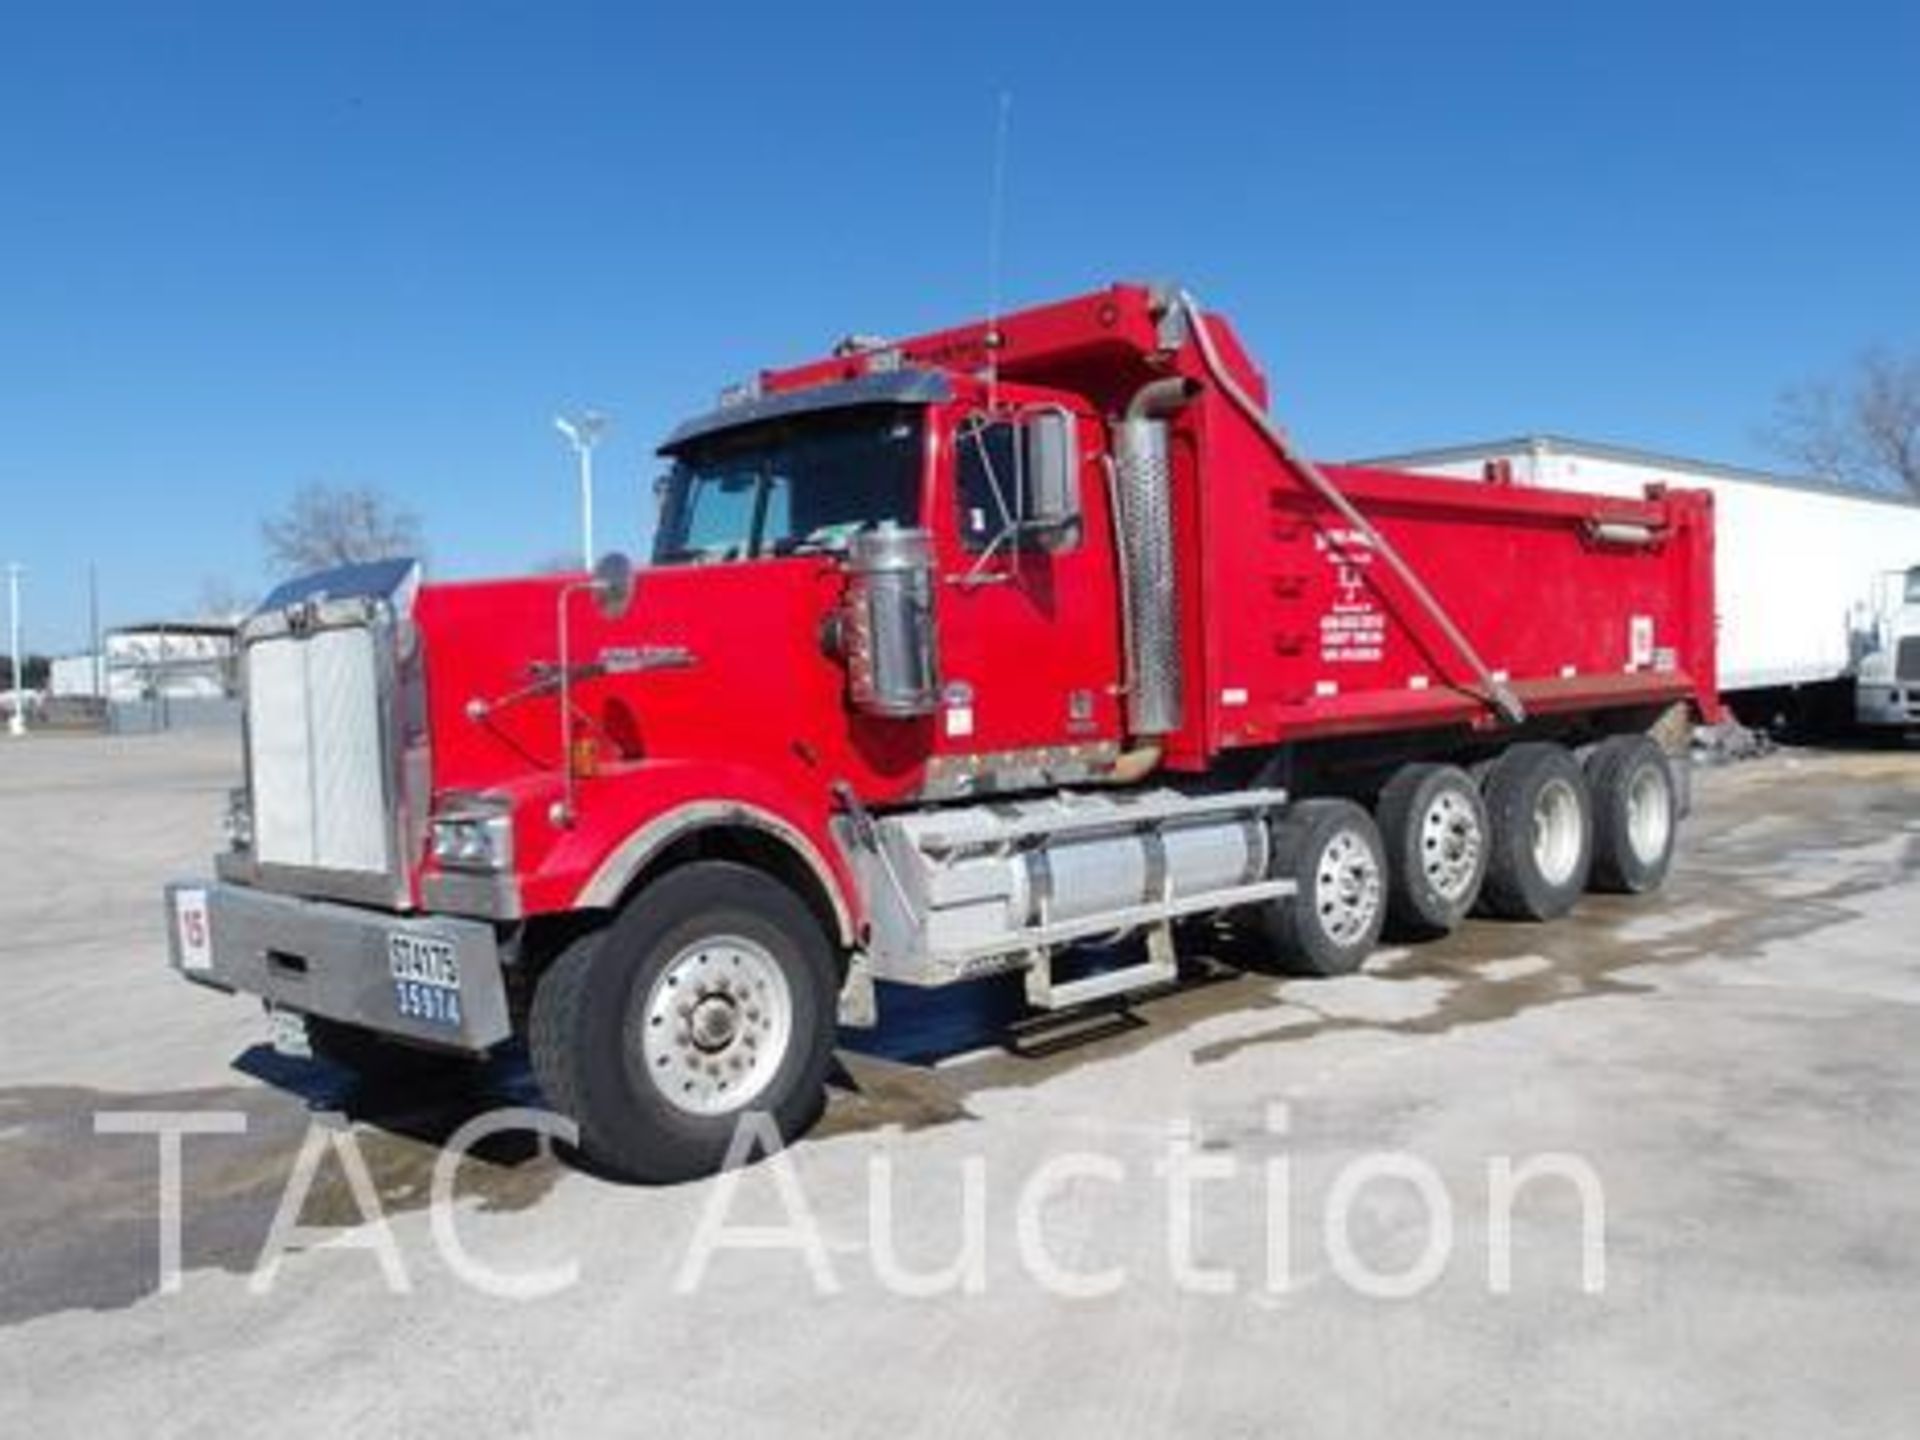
[[1161, 967]]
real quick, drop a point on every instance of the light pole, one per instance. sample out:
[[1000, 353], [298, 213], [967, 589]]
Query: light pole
[[17, 721], [583, 432]]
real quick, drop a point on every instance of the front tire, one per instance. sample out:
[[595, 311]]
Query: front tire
[[711, 996], [1540, 813], [1331, 850]]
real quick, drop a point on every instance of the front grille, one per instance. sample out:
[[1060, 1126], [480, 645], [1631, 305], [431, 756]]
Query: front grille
[[317, 752], [1906, 663]]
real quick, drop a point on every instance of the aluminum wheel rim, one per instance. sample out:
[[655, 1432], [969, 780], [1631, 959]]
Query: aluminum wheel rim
[[1450, 845], [715, 1025], [1649, 814], [1556, 832], [1346, 888]]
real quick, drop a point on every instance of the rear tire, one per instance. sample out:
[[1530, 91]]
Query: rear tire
[[1636, 811], [1434, 826], [1540, 815], [1331, 850], [710, 997]]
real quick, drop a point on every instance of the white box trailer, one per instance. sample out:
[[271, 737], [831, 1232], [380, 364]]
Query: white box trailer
[[1811, 577]]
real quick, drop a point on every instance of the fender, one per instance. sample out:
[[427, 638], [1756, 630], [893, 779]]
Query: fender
[[632, 855]]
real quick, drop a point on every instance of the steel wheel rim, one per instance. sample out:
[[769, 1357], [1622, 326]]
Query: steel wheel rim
[[1556, 831], [1346, 888], [1649, 814], [1450, 845], [715, 1025]]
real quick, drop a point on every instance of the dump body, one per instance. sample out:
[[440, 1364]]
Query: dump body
[[1302, 632]]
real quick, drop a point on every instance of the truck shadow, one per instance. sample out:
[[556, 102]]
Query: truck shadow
[[80, 1205]]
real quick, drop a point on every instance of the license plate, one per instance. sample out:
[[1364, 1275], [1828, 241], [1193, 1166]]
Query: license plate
[[426, 979], [193, 929]]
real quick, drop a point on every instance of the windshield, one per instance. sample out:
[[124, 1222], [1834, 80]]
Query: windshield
[[789, 487]]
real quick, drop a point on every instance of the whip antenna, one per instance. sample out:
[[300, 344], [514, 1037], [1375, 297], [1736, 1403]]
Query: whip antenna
[[996, 208]]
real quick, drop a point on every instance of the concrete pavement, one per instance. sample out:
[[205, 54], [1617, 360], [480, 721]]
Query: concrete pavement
[[1736, 1062]]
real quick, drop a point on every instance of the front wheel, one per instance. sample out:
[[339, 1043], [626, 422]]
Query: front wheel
[[709, 998]]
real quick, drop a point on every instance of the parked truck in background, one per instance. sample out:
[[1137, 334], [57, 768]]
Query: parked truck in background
[[1818, 584], [1887, 681], [953, 653]]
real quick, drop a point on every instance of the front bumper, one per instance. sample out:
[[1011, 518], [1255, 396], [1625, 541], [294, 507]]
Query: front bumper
[[339, 962]]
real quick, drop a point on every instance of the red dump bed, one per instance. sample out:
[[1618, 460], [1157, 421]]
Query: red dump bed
[[1576, 602]]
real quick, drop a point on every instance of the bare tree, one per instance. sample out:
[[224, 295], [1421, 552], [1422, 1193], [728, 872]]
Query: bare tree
[[329, 525], [1864, 431], [220, 599]]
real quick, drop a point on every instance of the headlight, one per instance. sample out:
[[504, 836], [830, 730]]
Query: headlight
[[473, 842]]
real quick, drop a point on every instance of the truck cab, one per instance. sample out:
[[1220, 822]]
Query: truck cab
[[1000, 489], [1888, 690]]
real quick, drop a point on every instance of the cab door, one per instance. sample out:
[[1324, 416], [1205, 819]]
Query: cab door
[[1027, 607]]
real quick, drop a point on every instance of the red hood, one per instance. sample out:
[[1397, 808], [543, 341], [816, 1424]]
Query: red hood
[[717, 668]]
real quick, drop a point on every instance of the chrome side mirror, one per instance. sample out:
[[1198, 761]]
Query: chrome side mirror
[[613, 584], [1050, 467]]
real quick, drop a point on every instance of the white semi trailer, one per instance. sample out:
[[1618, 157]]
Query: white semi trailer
[[1818, 585]]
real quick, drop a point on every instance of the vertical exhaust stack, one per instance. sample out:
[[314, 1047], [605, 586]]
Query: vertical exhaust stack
[[1143, 464]]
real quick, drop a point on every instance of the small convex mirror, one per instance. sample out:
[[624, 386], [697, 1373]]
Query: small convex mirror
[[613, 584]]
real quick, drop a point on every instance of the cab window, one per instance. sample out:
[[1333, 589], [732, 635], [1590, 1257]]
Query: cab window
[[985, 480], [791, 487], [1016, 481]]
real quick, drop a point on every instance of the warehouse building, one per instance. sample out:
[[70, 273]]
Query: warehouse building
[[157, 675]]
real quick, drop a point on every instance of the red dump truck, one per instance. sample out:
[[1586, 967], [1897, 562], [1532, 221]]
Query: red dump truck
[[954, 652]]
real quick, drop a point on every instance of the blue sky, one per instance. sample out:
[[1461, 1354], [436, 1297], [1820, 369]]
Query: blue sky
[[246, 246]]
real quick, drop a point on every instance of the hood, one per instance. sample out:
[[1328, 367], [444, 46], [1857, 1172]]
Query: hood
[[720, 662]]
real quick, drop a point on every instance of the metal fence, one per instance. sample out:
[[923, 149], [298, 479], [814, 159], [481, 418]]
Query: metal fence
[[150, 717]]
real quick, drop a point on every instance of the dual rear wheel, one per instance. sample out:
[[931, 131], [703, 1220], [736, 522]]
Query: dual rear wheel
[[1522, 839], [1435, 825]]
